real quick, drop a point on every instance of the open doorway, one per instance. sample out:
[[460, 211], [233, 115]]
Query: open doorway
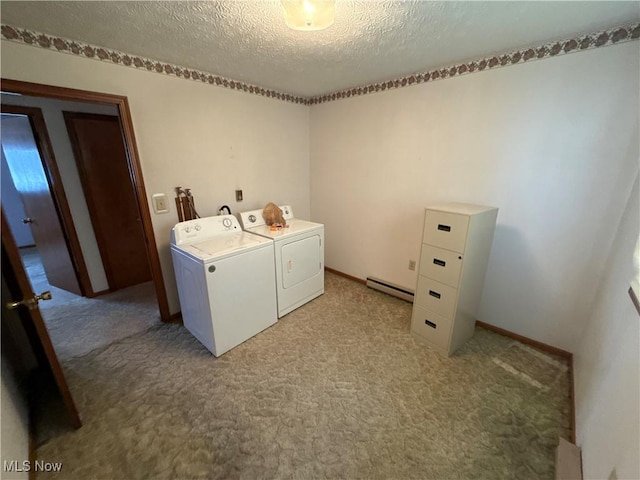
[[30, 179], [39, 215], [92, 315]]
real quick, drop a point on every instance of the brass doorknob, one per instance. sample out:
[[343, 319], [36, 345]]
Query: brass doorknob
[[30, 302]]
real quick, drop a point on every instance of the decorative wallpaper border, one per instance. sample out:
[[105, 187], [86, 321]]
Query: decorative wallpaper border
[[586, 42], [73, 47], [590, 41]]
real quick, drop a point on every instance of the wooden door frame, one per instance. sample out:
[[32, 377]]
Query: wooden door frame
[[133, 161], [56, 190]]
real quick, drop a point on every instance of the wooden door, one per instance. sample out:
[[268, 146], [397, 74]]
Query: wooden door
[[102, 164], [23, 156], [16, 287]]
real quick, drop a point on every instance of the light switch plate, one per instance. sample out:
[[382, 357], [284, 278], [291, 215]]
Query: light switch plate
[[160, 204]]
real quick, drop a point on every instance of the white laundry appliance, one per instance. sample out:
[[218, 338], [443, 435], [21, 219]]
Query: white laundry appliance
[[226, 281], [299, 257]]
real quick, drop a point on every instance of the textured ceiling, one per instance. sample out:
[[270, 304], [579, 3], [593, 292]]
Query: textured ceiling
[[370, 41]]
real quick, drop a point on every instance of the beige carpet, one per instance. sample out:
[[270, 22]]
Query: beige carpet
[[78, 325], [336, 389]]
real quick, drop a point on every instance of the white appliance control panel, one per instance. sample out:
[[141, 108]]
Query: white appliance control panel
[[253, 218], [202, 228]]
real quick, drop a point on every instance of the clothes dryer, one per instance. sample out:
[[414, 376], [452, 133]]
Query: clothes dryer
[[226, 281], [299, 257]]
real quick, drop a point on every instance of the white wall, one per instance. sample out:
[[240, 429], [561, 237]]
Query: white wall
[[607, 377], [16, 364], [13, 207], [210, 139], [552, 143], [14, 425], [63, 152]]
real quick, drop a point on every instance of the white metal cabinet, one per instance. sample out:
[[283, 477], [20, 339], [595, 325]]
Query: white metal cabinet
[[456, 243]]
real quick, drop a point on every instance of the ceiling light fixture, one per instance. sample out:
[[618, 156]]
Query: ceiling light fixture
[[309, 14]]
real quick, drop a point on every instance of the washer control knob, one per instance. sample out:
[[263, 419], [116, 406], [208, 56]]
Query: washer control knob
[[212, 268], [227, 222], [252, 218], [187, 229], [198, 228]]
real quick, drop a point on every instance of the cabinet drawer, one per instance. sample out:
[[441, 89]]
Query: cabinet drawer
[[445, 230], [431, 327], [436, 297], [441, 265]]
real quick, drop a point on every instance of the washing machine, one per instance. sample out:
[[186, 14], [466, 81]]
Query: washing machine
[[226, 281], [299, 257]]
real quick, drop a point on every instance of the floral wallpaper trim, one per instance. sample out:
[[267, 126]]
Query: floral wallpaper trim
[[603, 38], [586, 42], [73, 47]]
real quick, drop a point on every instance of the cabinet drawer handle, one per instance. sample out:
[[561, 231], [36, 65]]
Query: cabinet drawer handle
[[439, 262], [434, 294], [444, 228], [431, 324]]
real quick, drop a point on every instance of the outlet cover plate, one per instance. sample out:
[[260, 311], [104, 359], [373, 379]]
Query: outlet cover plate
[[160, 204]]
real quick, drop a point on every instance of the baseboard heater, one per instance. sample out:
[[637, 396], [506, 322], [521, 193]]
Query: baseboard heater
[[390, 289]]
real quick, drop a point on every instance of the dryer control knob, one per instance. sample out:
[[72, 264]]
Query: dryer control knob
[[212, 268]]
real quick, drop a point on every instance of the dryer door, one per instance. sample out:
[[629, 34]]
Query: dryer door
[[300, 260]]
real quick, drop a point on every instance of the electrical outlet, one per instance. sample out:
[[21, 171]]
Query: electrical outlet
[[160, 204], [238, 195], [412, 264]]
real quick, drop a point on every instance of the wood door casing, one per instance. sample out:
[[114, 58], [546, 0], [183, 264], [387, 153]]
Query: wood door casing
[[32, 182], [101, 158], [122, 103]]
